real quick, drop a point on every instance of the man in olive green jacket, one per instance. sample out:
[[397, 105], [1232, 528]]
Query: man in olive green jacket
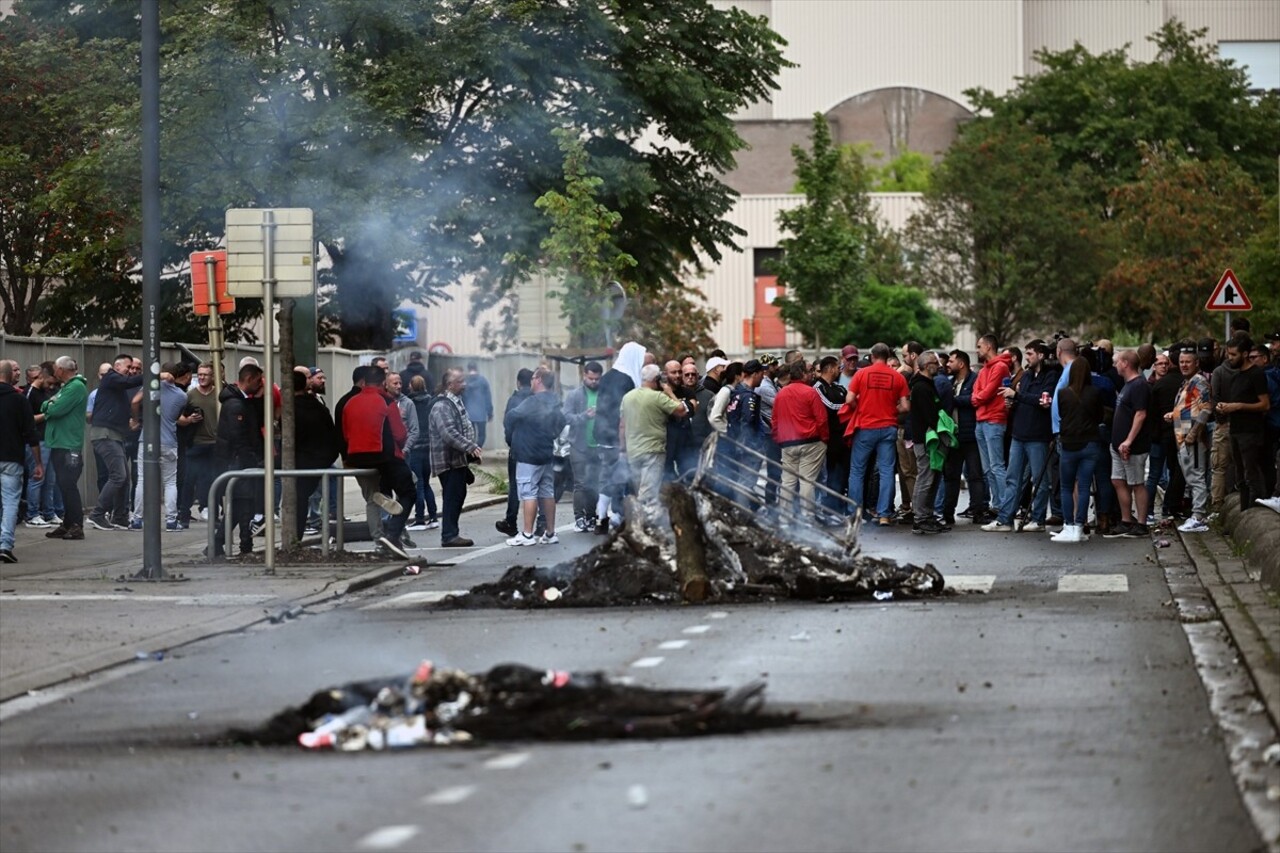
[[63, 416]]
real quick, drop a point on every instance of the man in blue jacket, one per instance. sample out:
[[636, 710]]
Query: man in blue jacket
[[534, 426], [108, 431]]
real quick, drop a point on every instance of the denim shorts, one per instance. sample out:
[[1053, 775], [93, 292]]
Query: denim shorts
[[535, 481]]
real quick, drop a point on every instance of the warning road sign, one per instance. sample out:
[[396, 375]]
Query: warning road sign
[[1228, 295]]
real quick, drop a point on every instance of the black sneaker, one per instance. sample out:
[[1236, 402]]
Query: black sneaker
[[504, 526], [74, 532], [1136, 531], [6, 556], [57, 532], [98, 522], [393, 546], [1119, 530], [926, 529]]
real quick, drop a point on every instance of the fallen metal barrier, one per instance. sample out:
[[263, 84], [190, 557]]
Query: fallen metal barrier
[[229, 478]]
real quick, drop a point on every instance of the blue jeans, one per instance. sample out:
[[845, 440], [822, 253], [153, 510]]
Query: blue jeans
[[883, 442], [1036, 453], [1076, 467], [1106, 493], [10, 494], [43, 498], [991, 448], [420, 465], [200, 473]]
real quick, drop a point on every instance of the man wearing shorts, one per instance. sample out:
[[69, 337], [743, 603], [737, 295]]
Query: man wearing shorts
[[533, 426], [1130, 444]]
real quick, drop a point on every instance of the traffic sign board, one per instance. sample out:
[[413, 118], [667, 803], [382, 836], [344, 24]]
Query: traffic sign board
[[200, 284], [1228, 295], [294, 255]]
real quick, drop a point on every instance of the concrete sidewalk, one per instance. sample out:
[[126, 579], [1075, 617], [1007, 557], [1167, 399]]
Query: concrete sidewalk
[[69, 609]]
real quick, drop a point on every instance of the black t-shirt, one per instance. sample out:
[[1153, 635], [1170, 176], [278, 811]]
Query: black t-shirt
[[1164, 392], [612, 388], [1247, 386], [1134, 397]]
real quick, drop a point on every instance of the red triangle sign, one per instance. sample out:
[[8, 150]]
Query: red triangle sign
[[1228, 295]]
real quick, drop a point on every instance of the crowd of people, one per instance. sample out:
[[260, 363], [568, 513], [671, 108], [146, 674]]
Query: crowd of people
[[1058, 435]]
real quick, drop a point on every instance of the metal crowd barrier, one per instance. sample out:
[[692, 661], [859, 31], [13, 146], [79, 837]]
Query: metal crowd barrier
[[229, 478], [735, 470]]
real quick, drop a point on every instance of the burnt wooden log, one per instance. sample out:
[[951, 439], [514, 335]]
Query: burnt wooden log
[[691, 542]]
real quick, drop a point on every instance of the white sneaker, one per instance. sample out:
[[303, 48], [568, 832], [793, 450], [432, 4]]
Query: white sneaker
[[393, 546], [1032, 527], [36, 522], [522, 539], [997, 527], [1194, 525], [388, 504], [1063, 535], [1270, 503], [549, 539]]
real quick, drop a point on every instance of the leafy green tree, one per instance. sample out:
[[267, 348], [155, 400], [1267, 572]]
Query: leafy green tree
[[1094, 109], [909, 172], [894, 313], [1178, 226], [1259, 270], [1005, 239], [421, 132], [580, 247], [670, 322]]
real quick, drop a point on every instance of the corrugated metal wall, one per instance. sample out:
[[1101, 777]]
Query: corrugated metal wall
[[1097, 24], [846, 48], [1229, 20]]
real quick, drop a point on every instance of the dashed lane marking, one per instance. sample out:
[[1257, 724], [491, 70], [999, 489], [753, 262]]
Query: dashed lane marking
[[412, 599], [648, 663], [449, 796], [1093, 583], [387, 838], [673, 644], [696, 629], [457, 558], [507, 761], [718, 614], [210, 600], [971, 583]]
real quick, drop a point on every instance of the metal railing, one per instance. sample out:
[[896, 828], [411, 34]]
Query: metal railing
[[229, 477], [734, 470]]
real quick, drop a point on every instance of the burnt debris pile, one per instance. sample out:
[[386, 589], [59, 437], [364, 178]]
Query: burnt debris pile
[[440, 707], [707, 548]]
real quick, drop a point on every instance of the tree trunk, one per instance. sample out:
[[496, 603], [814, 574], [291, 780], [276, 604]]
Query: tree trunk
[[288, 452]]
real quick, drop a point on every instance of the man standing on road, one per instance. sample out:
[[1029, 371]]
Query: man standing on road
[[1130, 445], [1192, 409], [509, 523], [877, 394], [374, 434], [202, 411], [1032, 396], [800, 429], [64, 421], [17, 433], [479, 401], [921, 420], [1246, 403], [996, 373], [110, 431], [534, 426], [584, 453], [645, 411], [453, 447], [173, 399], [42, 503], [240, 446]]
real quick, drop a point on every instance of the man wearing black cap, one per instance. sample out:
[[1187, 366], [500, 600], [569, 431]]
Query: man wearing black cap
[[416, 367]]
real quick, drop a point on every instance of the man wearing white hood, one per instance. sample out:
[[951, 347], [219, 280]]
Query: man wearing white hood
[[616, 382]]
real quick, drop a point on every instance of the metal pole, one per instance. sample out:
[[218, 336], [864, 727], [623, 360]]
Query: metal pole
[[1226, 333], [215, 330], [152, 567], [268, 367]]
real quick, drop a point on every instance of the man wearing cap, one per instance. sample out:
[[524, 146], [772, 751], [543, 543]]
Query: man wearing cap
[[700, 427], [416, 367], [848, 364], [743, 416]]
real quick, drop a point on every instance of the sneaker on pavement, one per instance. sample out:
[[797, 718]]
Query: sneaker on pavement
[[54, 519], [1272, 503], [173, 525], [925, 529], [602, 526], [997, 527], [1119, 530], [1194, 525], [36, 522], [407, 542], [74, 532], [1137, 531], [57, 532], [549, 539], [433, 523], [98, 522], [257, 526], [507, 527], [389, 504], [1033, 527], [136, 524], [417, 525], [579, 524], [522, 540], [393, 546], [6, 556]]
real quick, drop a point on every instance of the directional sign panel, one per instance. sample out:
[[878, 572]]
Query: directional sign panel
[[1228, 295], [294, 244]]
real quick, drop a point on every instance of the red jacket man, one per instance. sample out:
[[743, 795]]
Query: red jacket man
[[800, 430]]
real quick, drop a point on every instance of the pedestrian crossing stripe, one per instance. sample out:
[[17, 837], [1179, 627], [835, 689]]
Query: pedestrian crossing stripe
[[412, 599], [1093, 583], [971, 583]]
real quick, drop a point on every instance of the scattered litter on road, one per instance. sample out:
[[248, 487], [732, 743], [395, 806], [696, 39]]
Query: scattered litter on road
[[193, 715], [1271, 754], [882, 595], [1162, 543], [441, 707], [802, 637], [551, 593], [637, 797], [286, 613], [148, 656], [412, 570]]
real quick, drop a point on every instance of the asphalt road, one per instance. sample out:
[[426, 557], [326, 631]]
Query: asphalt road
[[1055, 707]]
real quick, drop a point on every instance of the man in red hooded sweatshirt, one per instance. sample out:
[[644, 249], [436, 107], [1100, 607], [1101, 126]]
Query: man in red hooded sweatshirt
[[374, 433], [988, 403]]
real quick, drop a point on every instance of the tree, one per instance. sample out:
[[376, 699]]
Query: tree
[[909, 172], [1094, 109], [580, 247], [1259, 270], [892, 314], [1178, 226], [421, 132], [1004, 238], [670, 322]]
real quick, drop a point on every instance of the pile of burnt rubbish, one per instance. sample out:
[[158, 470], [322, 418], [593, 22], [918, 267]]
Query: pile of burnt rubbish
[[707, 548], [442, 707]]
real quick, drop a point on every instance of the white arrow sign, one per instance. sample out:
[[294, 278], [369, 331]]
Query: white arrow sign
[[1228, 295]]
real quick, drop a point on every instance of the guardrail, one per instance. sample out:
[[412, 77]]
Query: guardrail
[[229, 477]]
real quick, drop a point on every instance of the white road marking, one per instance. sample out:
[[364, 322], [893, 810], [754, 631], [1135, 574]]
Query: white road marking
[[624, 680], [971, 583], [49, 695], [696, 629], [449, 796], [210, 600], [507, 761], [412, 599], [387, 838], [648, 663], [457, 559], [1093, 583], [673, 644], [718, 614]]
